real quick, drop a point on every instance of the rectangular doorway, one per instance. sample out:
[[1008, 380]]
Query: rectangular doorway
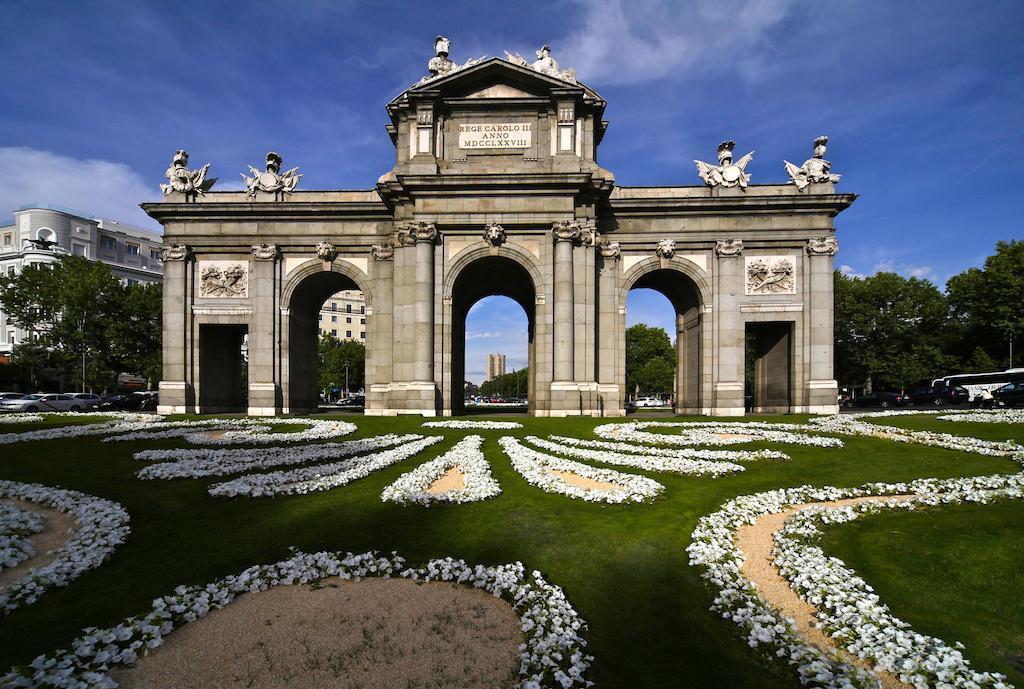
[[223, 369], [769, 373]]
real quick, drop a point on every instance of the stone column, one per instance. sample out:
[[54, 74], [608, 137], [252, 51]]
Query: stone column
[[566, 234], [423, 312], [263, 389], [823, 389], [729, 329], [608, 365], [176, 393]]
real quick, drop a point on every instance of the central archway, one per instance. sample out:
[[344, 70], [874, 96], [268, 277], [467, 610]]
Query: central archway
[[485, 277], [685, 296]]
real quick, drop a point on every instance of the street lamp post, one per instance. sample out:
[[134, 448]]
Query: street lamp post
[[81, 329], [346, 378]]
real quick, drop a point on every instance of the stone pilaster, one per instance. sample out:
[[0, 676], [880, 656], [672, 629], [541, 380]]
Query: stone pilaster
[[177, 395], [264, 390], [609, 379], [822, 392], [729, 330], [565, 236]]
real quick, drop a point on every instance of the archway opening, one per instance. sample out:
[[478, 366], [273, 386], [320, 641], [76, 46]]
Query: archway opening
[[500, 293], [767, 374], [223, 369], [326, 344], [662, 375]]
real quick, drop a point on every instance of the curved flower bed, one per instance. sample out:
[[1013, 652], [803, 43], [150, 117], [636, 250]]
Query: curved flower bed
[[471, 425], [680, 452], [986, 416], [322, 476], [852, 425], [100, 526], [17, 526], [18, 417], [537, 468], [706, 433], [121, 423], [714, 549], [241, 431], [676, 465], [467, 457], [552, 655], [215, 462]]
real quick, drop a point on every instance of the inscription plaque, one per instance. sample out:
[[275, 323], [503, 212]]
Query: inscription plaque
[[496, 135]]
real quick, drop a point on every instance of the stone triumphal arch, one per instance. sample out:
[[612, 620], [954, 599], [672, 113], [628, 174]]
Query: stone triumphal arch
[[496, 189]]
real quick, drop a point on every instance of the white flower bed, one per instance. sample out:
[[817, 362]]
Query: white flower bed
[[714, 549], [241, 431], [552, 655], [471, 425], [676, 465], [707, 433], [467, 457], [851, 425], [536, 468], [215, 462], [19, 417], [680, 452], [322, 476], [100, 526], [17, 527], [986, 416], [121, 423]]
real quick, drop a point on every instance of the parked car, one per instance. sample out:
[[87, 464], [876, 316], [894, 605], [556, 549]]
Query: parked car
[[10, 396], [882, 399], [91, 400], [352, 401], [1011, 394], [648, 402], [43, 402], [939, 395], [148, 401], [118, 403]]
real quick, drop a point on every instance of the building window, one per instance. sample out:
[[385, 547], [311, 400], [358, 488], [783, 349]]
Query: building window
[[334, 306], [154, 254], [79, 250], [132, 283], [348, 333], [131, 249], [362, 309], [8, 239], [334, 332], [108, 244], [348, 319], [348, 308], [334, 319], [362, 321], [362, 335], [320, 317], [10, 271]]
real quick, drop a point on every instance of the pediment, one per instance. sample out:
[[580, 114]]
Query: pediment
[[497, 78], [500, 90]]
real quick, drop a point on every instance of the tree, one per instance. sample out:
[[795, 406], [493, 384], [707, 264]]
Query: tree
[[889, 330], [650, 359], [987, 304], [334, 354], [508, 384], [76, 307]]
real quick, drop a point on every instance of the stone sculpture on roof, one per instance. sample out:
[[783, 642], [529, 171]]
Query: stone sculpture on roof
[[726, 173], [440, 66], [815, 169], [272, 181], [545, 64], [192, 183]]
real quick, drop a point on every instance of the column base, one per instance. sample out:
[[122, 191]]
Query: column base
[[728, 400], [176, 397], [263, 399], [408, 397]]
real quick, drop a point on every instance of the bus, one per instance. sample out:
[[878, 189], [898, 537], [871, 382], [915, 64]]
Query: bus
[[976, 382]]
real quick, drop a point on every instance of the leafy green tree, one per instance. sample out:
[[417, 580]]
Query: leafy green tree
[[889, 330], [987, 304], [334, 353], [75, 307], [508, 384], [650, 359]]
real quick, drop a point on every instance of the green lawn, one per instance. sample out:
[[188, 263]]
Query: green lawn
[[623, 567]]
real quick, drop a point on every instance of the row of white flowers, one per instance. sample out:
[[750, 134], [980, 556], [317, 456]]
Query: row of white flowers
[[17, 526], [538, 470], [986, 416], [321, 476], [471, 425], [676, 465], [852, 614], [120, 423], [466, 457], [851, 425], [241, 431], [680, 452], [100, 526], [707, 433], [197, 463], [714, 549], [552, 655], [30, 417]]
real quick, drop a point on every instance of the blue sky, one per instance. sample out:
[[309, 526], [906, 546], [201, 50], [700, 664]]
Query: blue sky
[[922, 101]]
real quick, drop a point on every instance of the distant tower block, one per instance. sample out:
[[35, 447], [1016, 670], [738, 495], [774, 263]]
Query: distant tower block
[[495, 366]]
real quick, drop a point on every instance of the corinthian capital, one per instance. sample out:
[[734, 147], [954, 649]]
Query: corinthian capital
[[383, 252], [824, 246], [417, 232], [566, 231]]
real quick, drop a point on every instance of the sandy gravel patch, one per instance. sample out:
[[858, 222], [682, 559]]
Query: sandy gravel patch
[[214, 435], [578, 481], [733, 436], [756, 541], [453, 479], [372, 634], [57, 528]]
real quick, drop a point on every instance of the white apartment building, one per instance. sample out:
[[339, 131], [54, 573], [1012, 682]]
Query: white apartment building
[[344, 316], [42, 233], [495, 366]]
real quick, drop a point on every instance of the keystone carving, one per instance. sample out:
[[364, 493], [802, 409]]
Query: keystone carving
[[728, 247], [666, 248], [383, 252], [264, 252], [566, 231], [814, 169], [494, 234], [325, 251], [191, 183], [174, 252], [828, 246]]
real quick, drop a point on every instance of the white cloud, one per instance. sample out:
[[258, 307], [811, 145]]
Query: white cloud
[[850, 271], [98, 187], [642, 40], [483, 336]]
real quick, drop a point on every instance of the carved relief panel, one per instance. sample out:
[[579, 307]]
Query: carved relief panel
[[223, 279], [770, 275]]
